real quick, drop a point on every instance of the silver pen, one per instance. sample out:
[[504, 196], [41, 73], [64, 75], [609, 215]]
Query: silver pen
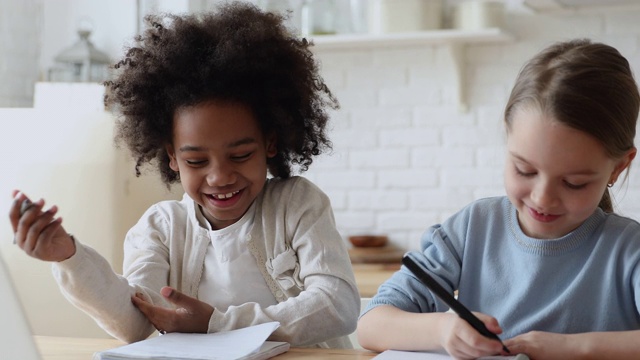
[[26, 205]]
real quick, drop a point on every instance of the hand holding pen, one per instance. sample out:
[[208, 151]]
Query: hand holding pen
[[448, 298], [37, 231]]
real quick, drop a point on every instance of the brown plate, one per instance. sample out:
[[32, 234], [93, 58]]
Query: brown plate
[[376, 255], [368, 240]]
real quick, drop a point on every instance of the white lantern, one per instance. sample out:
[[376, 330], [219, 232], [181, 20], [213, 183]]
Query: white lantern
[[81, 62]]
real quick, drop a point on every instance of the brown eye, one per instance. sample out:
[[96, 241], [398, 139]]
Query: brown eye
[[241, 157], [525, 174], [574, 186], [195, 162]]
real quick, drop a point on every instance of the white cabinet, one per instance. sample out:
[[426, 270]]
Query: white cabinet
[[63, 150]]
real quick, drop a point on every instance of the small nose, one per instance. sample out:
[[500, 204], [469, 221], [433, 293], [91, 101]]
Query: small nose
[[544, 194], [220, 174]]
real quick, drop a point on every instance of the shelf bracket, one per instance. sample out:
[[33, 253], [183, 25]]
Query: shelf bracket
[[454, 40], [456, 52]]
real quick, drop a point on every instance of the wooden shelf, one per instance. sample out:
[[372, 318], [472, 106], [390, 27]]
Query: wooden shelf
[[433, 37], [545, 6], [454, 40]]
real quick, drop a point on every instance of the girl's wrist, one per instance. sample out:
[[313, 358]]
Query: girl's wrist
[[73, 247]]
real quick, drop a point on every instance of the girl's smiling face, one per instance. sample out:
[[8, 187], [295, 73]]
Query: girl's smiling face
[[555, 175], [221, 154]]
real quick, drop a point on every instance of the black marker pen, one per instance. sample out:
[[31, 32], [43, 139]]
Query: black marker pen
[[454, 304]]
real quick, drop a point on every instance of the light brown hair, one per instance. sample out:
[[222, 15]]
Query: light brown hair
[[584, 85]]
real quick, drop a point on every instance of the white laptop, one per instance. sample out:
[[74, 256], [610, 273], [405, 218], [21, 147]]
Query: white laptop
[[16, 339]]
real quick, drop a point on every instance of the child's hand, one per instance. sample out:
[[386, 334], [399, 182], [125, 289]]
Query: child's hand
[[462, 341], [544, 345], [37, 232], [190, 315]]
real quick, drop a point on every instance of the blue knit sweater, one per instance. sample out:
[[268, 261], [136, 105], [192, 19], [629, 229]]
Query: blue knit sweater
[[588, 280]]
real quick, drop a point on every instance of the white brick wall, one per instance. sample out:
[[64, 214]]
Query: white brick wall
[[405, 158]]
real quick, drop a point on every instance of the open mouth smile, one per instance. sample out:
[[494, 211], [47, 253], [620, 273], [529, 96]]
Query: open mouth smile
[[224, 196]]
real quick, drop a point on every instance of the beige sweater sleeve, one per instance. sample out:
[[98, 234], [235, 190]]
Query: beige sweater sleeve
[[88, 282]]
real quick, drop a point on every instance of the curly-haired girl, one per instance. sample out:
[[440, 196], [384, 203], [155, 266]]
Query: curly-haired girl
[[215, 101]]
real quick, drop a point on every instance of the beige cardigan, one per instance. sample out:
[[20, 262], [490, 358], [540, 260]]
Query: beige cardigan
[[294, 240]]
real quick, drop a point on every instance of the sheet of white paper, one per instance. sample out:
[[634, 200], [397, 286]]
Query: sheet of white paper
[[232, 344], [418, 355], [410, 355]]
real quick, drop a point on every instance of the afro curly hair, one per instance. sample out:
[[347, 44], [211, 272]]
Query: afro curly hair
[[236, 54]]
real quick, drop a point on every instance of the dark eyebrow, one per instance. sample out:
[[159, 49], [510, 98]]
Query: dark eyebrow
[[244, 141], [585, 172], [191, 148]]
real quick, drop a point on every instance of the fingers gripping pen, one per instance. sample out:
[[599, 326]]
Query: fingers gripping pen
[[454, 304], [26, 205]]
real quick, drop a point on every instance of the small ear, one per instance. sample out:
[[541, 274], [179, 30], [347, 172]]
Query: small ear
[[272, 148], [623, 164], [173, 162]]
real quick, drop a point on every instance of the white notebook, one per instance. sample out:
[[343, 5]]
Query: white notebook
[[247, 344], [419, 355]]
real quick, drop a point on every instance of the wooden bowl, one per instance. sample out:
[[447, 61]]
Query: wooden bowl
[[368, 240]]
